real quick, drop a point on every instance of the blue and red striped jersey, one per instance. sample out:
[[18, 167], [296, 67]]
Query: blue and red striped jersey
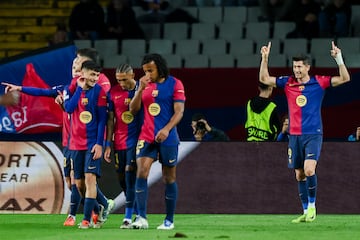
[[304, 103], [158, 105], [88, 109], [127, 126]]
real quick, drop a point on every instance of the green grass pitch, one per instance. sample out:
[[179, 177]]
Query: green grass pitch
[[187, 226]]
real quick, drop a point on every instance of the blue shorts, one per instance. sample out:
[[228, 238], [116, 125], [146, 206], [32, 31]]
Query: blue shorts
[[68, 165], [303, 147], [83, 163], [167, 155], [125, 158]]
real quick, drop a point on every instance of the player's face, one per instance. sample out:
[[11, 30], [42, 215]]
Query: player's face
[[125, 80], [76, 66], [91, 77], [151, 71], [300, 69]]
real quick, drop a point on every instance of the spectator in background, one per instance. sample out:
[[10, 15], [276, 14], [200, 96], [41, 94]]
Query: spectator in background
[[164, 11], [156, 11], [355, 137], [262, 121], [306, 20], [121, 21], [87, 20], [276, 10], [61, 34], [335, 19], [284, 133], [203, 132]]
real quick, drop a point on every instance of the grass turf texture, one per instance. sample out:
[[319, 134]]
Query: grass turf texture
[[187, 226]]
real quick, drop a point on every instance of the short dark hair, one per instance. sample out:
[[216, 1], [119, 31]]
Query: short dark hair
[[302, 57], [159, 62], [91, 65], [91, 53], [197, 116], [124, 68]]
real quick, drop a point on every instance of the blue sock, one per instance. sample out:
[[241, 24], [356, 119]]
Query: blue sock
[[74, 200], [89, 204], [100, 197], [96, 207], [171, 191], [303, 194], [141, 189], [130, 178], [311, 187]]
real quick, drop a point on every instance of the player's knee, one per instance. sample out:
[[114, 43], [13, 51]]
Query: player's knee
[[300, 176], [309, 172]]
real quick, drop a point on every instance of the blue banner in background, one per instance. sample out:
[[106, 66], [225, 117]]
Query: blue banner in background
[[43, 68]]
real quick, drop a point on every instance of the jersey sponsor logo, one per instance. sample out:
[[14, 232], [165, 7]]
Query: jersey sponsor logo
[[85, 117], [154, 109], [301, 100], [127, 117]]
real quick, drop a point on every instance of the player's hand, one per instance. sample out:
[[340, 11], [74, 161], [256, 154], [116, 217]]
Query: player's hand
[[59, 98], [97, 151], [334, 50], [11, 87], [161, 135], [81, 82], [265, 50], [107, 154], [144, 81]]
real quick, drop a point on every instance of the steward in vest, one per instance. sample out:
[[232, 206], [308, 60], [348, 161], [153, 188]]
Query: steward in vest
[[262, 120]]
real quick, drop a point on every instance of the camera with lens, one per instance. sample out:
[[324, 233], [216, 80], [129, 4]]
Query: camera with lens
[[200, 126]]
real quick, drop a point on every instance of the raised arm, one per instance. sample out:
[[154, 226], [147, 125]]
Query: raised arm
[[264, 75], [343, 72], [135, 104]]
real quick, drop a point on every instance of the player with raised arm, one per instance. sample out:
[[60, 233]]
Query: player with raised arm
[[162, 100], [304, 95]]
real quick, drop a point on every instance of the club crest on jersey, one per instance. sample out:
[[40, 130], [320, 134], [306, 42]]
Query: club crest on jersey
[[154, 109], [301, 100], [84, 101], [127, 101], [85, 117], [155, 93]]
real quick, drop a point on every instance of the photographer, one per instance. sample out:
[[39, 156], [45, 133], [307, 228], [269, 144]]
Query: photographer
[[203, 132]]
